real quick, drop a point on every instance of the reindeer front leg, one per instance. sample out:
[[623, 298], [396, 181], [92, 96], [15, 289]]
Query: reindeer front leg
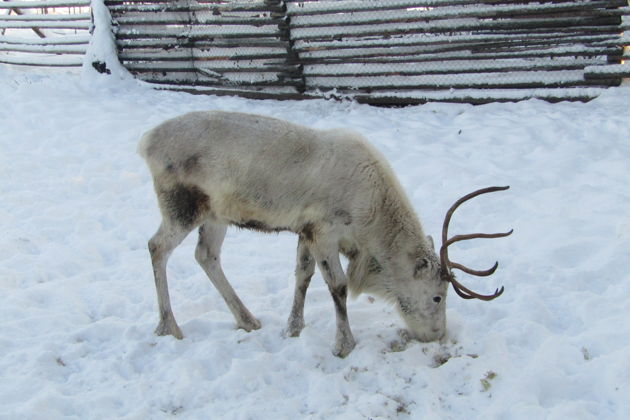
[[327, 258], [304, 270]]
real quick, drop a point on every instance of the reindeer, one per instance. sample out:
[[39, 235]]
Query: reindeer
[[334, 190]]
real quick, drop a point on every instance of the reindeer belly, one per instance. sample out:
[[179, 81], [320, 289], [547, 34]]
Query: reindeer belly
[[263, 212]]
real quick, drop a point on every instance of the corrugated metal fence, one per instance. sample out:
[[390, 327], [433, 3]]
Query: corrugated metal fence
[[219, 45], [456, 49], [386, 51], [377, 51]]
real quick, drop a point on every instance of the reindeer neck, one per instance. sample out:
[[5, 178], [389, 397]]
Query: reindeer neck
[[394, 225]]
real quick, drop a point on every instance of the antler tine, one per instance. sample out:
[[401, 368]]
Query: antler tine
[[449, 213], [466, 293], [447, 265], [458, 238], [479, 273]]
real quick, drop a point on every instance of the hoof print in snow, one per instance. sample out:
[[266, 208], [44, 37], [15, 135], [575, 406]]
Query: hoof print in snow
[[441, 358], [485, 381]]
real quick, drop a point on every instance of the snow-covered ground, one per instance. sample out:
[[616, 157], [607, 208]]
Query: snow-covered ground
[[78, 307]]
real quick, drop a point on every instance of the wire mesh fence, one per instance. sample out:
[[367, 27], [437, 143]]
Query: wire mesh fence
[[400, 50], [376, 51]]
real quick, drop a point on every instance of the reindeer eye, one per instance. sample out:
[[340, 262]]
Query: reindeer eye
[[437, 299]]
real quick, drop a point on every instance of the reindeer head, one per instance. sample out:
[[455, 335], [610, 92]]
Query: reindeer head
[[422, 302]]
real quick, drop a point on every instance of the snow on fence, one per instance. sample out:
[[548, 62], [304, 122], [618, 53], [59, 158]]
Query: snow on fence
[[376, 51], [469, 50], [44, 33], [225, 46], [385, 51]]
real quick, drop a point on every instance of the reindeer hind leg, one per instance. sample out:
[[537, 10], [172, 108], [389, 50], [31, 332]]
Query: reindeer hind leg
[[161, 245], [182, 208], [208, 255]]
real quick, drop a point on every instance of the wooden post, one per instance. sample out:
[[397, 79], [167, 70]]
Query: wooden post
[[295, 69]]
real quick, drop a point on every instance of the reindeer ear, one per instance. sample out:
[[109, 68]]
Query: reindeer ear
[[421, 264], [430, 239]]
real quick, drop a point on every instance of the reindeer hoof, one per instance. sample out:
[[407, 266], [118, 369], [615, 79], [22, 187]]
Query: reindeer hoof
[[169, 327], [249, 325], [343, 349], [294, 328]]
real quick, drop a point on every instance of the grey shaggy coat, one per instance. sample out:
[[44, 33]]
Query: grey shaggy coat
[[216, 169]]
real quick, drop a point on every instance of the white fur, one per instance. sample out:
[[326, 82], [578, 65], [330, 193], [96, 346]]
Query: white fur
[[215, 169]]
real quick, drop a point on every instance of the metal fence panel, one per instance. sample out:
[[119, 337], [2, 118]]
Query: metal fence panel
[[379, 51]]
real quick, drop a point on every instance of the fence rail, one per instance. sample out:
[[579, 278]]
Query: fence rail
[[387, 51], [52, 33]]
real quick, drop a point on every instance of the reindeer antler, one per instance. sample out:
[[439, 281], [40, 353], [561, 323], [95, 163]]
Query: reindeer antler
[[447, 265]]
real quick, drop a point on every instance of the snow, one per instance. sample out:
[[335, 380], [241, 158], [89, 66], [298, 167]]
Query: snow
[[455, 80], [455, 95], [46, 48], [66, 39], [402, 68], [52, 39], [45, 3], [610, 70], [364, 13], [63, 24], [102, 48], [78, 307], [315, 7], [68, 60]]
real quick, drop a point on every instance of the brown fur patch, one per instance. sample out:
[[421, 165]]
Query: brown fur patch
[[308, 232], [191, 164], [343, 216], [306, 262], [259, 226], [326, 267], [374, 267], [185, 204], [351, 253], [339, 296]]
